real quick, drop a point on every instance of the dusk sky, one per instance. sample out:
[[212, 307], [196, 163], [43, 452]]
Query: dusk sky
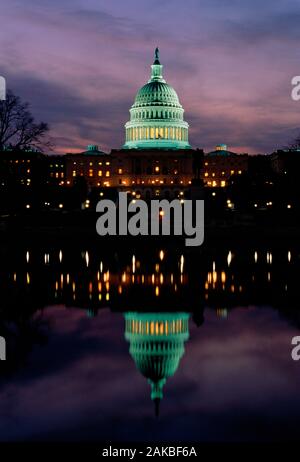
[[80, 63]]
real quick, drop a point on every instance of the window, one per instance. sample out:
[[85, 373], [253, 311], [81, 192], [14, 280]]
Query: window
[[120, 171]]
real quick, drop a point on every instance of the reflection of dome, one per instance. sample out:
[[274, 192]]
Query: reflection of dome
[[156, 117], [157, 345]]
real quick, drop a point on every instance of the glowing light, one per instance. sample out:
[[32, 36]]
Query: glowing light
[[229, 258], [87, 258], [181, 263]]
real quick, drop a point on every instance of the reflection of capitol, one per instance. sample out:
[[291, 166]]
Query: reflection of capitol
[[157, 346]]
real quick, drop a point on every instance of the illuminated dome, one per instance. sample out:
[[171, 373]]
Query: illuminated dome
[[157, 345], [156, 117]]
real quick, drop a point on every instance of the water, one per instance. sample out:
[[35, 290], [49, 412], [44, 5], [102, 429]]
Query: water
[[90, 330]]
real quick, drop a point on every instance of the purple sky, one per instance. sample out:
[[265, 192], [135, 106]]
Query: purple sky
[[80, 63]]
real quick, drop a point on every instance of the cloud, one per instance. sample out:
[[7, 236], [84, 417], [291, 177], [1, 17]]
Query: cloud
[[231, 67]]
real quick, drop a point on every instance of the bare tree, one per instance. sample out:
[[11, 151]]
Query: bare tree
[[18, 128]]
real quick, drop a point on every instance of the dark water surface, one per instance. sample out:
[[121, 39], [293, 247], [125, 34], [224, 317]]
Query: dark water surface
[[89, 330]]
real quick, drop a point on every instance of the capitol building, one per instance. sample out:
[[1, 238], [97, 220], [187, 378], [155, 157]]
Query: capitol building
[[156, 159]]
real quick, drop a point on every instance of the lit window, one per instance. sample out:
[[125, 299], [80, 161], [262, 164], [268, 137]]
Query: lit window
[[206, 174], [120, 171], [91, 172], [100, 173], [107, 174]]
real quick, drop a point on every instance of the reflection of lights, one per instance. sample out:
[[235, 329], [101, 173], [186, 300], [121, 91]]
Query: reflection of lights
[[73, 286], [120, 289], [106, 276], [133, 264], [181, 263], [87, 258], [223, 277], [68, 278], [161, 279], [46, 258], [289, 256], [60, 256], [222, 313], [157, 267], [161, 255], [101, 267], [255, 257], [15, 277], [269, 276], [214, 266], [229, 258], [28, 278], [157, 291], [27, 256], [107, 296]]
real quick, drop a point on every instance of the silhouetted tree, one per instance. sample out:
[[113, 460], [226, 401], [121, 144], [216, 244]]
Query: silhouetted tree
[[18, 128]]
